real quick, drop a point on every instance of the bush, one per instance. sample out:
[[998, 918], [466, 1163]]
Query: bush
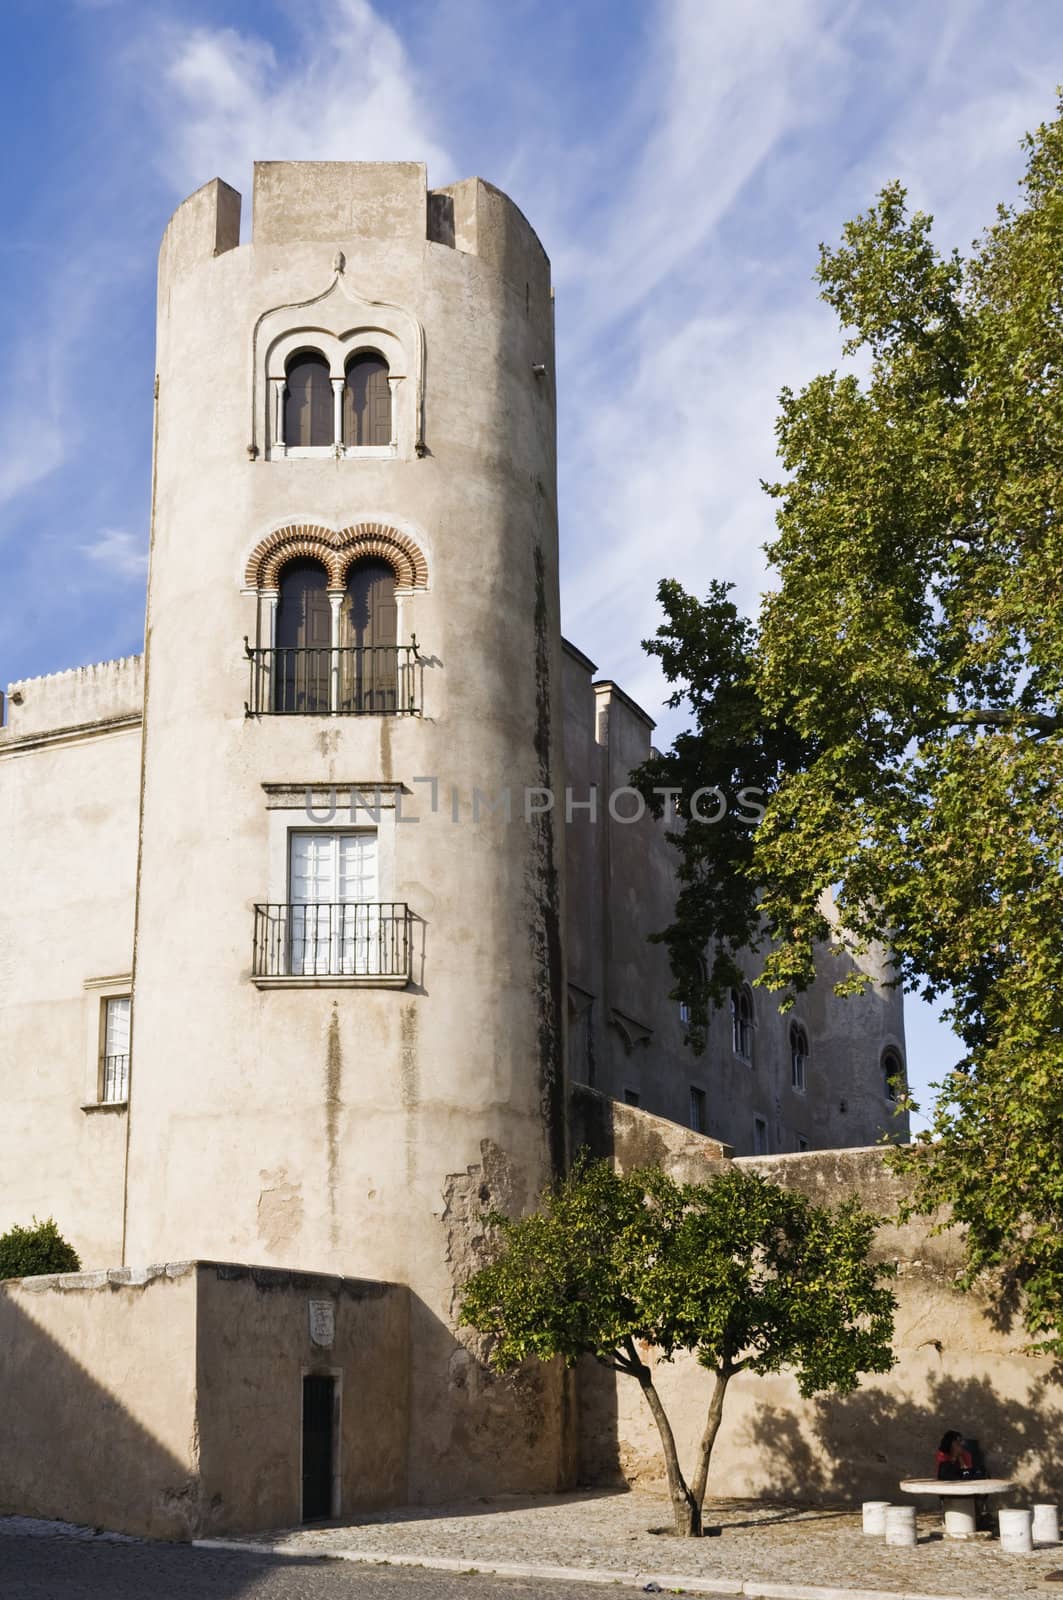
[[29, 1252]]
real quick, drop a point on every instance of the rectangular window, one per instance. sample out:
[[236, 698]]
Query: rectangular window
[[335, 923], [697, 1109], [631, 1097], [802, 1144], [114, 1056], [684, 1013], [760, 1136]]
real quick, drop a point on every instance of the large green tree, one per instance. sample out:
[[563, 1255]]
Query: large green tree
[[746, 1275], [903, 685]]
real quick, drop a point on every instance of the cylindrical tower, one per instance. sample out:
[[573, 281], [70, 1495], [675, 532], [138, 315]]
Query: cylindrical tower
[[347, 1016]]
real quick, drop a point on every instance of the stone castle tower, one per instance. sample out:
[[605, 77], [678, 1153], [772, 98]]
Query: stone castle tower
[[355, 473], [307, 958]]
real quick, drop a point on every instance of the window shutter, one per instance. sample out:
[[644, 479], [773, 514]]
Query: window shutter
[[378, 406], [308, 413], [367, 402]]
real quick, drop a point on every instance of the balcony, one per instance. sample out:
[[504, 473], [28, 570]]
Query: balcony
[[353, 945], [349, 681]]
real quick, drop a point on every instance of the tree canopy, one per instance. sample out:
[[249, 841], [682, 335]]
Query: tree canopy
[[746, 1275], [900, 700]]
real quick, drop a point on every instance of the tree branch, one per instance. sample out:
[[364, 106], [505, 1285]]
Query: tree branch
[[1003, 717]]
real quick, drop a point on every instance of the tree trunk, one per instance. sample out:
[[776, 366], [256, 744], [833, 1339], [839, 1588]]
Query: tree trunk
[[685, 1508], [708, 1438]]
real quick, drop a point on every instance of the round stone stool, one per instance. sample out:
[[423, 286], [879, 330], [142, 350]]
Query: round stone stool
[[1016, 1532], [900, 1525], [875, 1516], [1046, 1524]]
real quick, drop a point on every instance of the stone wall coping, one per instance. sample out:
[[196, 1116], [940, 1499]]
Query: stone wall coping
[[226, 1271]]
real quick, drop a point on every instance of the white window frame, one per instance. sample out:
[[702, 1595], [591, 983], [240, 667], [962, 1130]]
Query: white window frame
[[288, 814], [337, 350], [97, 993]]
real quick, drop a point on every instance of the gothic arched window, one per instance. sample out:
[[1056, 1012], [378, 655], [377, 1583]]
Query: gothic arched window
[[303, 654], [798, 1056], [309, 412], [367, 401], [368, 637], [742, 1022], [892, 1074]]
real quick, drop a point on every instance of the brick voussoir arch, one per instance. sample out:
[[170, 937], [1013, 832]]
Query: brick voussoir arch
[[336, 550]]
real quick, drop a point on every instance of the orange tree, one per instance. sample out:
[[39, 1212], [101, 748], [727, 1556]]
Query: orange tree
[[745, 1275]]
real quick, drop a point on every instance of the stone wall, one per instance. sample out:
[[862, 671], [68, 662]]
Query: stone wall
[[166, 1401], [957, 1367], [104, 692]]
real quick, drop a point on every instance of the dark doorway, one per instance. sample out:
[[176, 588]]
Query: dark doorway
[[319, 1395], [303, 655], [370, 630]]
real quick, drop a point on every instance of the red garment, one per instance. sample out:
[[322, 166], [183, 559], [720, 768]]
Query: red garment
[[964, 1460]]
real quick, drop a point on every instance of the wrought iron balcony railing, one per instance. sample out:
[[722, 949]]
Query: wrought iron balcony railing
[[349, 940], [349, 681], [114, 1079]]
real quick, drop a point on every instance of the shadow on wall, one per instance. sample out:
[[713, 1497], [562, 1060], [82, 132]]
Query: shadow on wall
[[849, 1447], [73, 1450]]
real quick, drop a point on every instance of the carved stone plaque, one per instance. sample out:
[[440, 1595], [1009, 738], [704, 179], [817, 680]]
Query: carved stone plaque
[[322, 1323]]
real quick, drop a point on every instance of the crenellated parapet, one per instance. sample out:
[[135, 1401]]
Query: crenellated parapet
[[102, 694]]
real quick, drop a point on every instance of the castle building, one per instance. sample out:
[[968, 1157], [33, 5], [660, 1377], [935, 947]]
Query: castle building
[[317, 914]]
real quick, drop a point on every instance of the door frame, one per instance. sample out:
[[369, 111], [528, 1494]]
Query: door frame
[[316, 1369]]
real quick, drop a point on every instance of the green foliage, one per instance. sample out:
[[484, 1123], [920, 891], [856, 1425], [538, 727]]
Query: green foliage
[[911, 656], [740, 1272], [29, 1252]]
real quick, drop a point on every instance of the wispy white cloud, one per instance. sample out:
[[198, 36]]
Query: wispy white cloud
[[121, 554], [349, 93]]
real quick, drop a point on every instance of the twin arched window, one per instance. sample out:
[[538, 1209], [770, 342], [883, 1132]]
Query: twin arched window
[[345, 658], [320, 412]]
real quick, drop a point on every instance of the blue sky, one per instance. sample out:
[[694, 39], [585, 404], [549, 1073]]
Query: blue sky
[[681, 160]]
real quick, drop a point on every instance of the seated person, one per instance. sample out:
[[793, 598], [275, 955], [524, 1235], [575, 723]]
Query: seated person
[[953, 1460]]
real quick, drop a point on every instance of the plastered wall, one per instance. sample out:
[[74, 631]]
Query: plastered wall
[[957, 1367]]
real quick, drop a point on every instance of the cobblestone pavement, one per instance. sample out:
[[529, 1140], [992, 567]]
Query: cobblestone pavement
[[757, 1542], [57, 1567]]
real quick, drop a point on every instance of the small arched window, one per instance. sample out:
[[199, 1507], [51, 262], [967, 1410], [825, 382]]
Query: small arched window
[[742, 1023], [892, 1074], [308, 404], [798, 1056], [367, 401], [302, 657]]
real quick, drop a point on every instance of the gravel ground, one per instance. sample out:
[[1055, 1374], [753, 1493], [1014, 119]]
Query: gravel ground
[[626, 1532]]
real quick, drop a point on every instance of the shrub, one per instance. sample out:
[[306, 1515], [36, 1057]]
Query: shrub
[[29, 1252]]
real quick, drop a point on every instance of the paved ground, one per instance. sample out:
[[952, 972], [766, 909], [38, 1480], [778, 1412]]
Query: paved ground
[[58, 1568], [757, 1542], [759, 1545]]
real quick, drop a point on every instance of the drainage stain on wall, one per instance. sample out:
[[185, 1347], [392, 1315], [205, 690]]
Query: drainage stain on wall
[[333, 1077], [409, 1083]]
